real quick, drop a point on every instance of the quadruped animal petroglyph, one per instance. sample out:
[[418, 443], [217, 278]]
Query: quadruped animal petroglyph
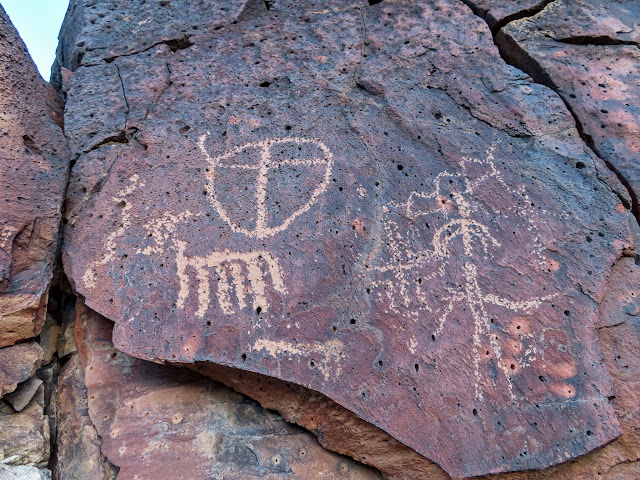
[[241, 277], [414, 277]]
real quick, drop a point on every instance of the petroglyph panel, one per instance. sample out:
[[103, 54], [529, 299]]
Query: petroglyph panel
[[240, 277], [334, 214], [421, 284]]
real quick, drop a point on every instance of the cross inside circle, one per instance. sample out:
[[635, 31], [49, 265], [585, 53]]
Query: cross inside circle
[[266, 163]]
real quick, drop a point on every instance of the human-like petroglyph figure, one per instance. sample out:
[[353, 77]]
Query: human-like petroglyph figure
[[412, 269], [233, 270], [316, 155]]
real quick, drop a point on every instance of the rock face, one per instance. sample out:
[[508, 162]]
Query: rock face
[[34, 159], [137, 26], [587, 50], [368, 205], [78, 455], [150, 416], [498, 13], [25, 435], [352, 212], [17, 364]]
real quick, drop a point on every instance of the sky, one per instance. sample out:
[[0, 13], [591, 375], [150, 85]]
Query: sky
[[38, 23]]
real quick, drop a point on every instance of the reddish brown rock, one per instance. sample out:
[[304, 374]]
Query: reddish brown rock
[[372, 206], [17, 364], [33, 171], [619, 337], [25, 435], [150, 416], [587, 50], [367, 206], [337, 428], [78, 455]]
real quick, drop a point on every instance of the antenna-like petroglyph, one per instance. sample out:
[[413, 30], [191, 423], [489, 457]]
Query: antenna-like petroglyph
[[240, 277], [449, 210]]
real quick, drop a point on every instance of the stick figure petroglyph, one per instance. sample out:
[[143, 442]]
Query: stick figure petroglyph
[[451, 200]]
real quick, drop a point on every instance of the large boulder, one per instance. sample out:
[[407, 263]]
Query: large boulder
[[34, 160], [366, 203]]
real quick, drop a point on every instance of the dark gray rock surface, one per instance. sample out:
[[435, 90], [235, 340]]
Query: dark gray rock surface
[[588, 51]]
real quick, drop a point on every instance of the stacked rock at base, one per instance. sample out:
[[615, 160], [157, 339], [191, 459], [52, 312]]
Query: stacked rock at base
[[360, 201]]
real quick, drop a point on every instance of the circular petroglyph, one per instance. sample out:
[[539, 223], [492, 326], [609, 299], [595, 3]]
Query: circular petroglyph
[[264, 160]]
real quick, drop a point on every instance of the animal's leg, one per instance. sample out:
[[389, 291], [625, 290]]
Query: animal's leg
[[224, 289], [203, 290], [238, 282]]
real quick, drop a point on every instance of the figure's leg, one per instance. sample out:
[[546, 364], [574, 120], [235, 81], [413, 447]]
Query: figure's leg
[[203, 290], [277, 279], [183, 276]]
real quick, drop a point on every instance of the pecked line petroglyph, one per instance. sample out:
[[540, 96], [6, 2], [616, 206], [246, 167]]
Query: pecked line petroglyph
[[330, 353], [90, 274], [232, 269], [451, 201], [267, 162]]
